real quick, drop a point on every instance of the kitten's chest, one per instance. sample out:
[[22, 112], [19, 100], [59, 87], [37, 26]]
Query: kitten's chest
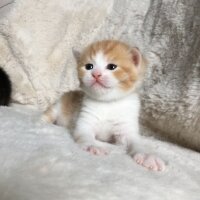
[[107, 117], [111, 112], [108, 122], [107, 113]]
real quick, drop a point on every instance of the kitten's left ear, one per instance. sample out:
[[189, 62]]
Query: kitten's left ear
[[136, 57], [77, 55]]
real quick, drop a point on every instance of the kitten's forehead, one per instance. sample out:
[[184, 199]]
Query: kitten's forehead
[[99, 59], [104, 52]]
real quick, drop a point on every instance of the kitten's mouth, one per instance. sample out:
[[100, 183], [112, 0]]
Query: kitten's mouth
[[99, 83]]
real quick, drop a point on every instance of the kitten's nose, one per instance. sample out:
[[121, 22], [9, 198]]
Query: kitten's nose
[[96, 75]]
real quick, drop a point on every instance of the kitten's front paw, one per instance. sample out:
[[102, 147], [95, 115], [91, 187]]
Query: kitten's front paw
[[151, 162], [95, 150]]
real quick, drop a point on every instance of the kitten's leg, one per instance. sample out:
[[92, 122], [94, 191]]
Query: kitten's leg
[[63, 111], [85, 136], [96, 149], [141, 155], [144, 156], [51, 114]]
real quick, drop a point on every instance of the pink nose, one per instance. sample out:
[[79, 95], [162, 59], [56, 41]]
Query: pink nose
[[96, 75]]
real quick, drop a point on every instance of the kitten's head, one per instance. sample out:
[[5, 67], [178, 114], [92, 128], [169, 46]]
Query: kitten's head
[[109, 70]]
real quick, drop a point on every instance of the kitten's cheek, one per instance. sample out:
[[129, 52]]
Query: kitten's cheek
[[87, 82], [112, 83]]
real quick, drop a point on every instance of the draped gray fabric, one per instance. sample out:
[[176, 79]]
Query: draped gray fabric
[[171, 98]]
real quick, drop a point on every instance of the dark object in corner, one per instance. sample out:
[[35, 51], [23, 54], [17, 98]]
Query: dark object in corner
[[5, 88]]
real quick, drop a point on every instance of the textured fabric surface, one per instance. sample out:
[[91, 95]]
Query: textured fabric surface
[[5, 6], [42, 162]]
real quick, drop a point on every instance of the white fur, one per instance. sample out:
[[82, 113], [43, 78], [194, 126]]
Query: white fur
[[100, 61], [102, 120]]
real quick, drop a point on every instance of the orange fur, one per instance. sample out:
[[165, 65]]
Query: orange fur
[[71, 102], [70, 106]]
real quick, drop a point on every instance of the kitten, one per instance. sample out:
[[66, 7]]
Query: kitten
[[107, 108], [5, 88]]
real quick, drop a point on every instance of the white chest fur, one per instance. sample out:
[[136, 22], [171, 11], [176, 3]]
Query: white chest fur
[[106, 119]]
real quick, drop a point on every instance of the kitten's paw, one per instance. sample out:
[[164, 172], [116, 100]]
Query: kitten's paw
[[95, 150], [150, 162]]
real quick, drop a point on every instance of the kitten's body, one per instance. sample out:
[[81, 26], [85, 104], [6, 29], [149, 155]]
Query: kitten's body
[[5, 88], [108, 120], [108, 108]]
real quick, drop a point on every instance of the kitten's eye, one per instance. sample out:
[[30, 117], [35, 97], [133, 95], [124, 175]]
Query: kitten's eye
[[89, 66], [111, 66]]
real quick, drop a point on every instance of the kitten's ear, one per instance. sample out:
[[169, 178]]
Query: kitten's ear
[[136, 57], [77, 55]]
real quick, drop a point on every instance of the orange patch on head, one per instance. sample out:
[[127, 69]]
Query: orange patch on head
[[126, 77], [81, 72]]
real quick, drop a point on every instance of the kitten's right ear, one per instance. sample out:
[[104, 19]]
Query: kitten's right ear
[[136, 56], [77, 55], [138, 59]]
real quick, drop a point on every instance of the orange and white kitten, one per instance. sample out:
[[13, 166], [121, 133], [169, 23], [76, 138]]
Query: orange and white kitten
[[107, 108]]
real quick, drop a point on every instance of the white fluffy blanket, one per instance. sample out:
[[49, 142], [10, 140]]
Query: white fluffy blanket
[[42, 162]]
